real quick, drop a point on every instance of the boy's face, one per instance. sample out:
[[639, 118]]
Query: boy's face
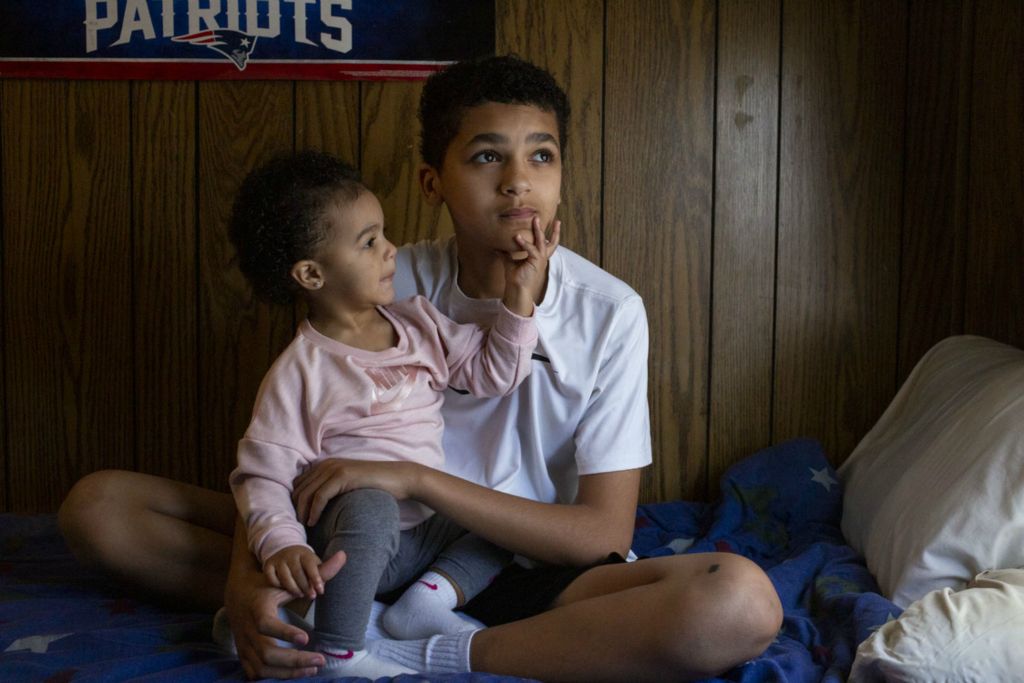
[[502, 168], [358, 262]]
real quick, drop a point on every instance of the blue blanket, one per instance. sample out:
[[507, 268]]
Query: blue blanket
[[780, 507]]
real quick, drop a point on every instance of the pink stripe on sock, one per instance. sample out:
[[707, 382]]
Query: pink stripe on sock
[[431, 586], [349, 654]]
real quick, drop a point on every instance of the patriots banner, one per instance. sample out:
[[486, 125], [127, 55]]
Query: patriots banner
[[234, 39]]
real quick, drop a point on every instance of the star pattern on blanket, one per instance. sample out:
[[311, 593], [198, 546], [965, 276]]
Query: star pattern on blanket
[[762, 524], [829, 586], [680, 545], [823, 477], [889, 616], [35, 644]]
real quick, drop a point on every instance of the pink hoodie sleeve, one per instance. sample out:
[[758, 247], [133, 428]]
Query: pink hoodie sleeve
[[274, 450], [262, 485], [486, 362]]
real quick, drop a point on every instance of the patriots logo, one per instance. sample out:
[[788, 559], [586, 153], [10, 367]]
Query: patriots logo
[[234, 45]]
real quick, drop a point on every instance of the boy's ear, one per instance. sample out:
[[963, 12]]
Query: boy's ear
[[430, 184], [308, 274]]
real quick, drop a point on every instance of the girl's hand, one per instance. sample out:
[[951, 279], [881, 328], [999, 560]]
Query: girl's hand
[[526, 278], [317, 486], [259, 633], [295, 569]]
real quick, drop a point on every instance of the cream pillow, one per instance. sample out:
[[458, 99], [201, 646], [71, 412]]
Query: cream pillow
[[934, 494], [972, 636]]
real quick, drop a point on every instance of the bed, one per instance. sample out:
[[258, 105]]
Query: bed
[[821, 535], [780, 507]]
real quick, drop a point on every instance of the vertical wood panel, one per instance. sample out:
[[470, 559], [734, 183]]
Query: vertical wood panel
[[746, 153], [125, 327], [67, 285], [657, 205], [995, 284], [567, 39], [164, 266], [327, 118], [935, 187], [240, 126], [839, 218], [390, 159]]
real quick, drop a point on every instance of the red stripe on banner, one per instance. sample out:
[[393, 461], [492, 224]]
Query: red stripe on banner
[[192, 36], [199, 71]]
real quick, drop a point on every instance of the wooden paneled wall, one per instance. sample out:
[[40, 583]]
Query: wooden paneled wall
[[807, 193]]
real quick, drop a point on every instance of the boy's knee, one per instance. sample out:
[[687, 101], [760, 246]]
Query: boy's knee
[[757, 603], [732, 615], [87, 511], [750, 605]]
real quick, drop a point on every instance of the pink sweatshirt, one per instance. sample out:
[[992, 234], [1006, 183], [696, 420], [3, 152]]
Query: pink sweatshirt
[[324, 399]]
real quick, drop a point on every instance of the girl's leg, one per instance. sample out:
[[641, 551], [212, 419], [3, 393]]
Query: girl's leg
[[471, 564], [165, 537], [364, 524]]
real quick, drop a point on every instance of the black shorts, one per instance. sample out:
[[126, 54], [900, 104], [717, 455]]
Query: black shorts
[[518, 593]]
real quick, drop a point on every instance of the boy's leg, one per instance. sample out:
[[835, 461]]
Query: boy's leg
[[171, 539], [364, 524], [680, 617], [688, 616]]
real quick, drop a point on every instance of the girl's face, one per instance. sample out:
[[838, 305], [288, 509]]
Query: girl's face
[[357, 261]]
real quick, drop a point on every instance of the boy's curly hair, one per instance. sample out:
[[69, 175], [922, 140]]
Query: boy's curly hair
[[279, 217], [506, 79]]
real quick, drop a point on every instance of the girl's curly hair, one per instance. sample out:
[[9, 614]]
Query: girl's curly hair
[[279, 217]]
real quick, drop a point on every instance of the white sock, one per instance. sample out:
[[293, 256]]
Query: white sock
[[426, 609], [444, 654], [362, 663], [375, 628], [222, 632]]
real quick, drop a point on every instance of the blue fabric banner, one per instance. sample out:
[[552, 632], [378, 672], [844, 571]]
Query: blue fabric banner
[[202, 39]]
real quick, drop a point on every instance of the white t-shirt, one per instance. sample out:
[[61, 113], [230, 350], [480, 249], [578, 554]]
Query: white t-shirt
[[583, 409]]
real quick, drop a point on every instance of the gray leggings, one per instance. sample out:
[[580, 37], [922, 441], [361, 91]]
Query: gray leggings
[[364, 523]]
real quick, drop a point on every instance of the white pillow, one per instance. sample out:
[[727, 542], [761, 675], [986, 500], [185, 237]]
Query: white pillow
[[974, 635], [934, 494]]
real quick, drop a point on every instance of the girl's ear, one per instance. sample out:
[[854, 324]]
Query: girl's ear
[[430, 185], [308, 274]]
